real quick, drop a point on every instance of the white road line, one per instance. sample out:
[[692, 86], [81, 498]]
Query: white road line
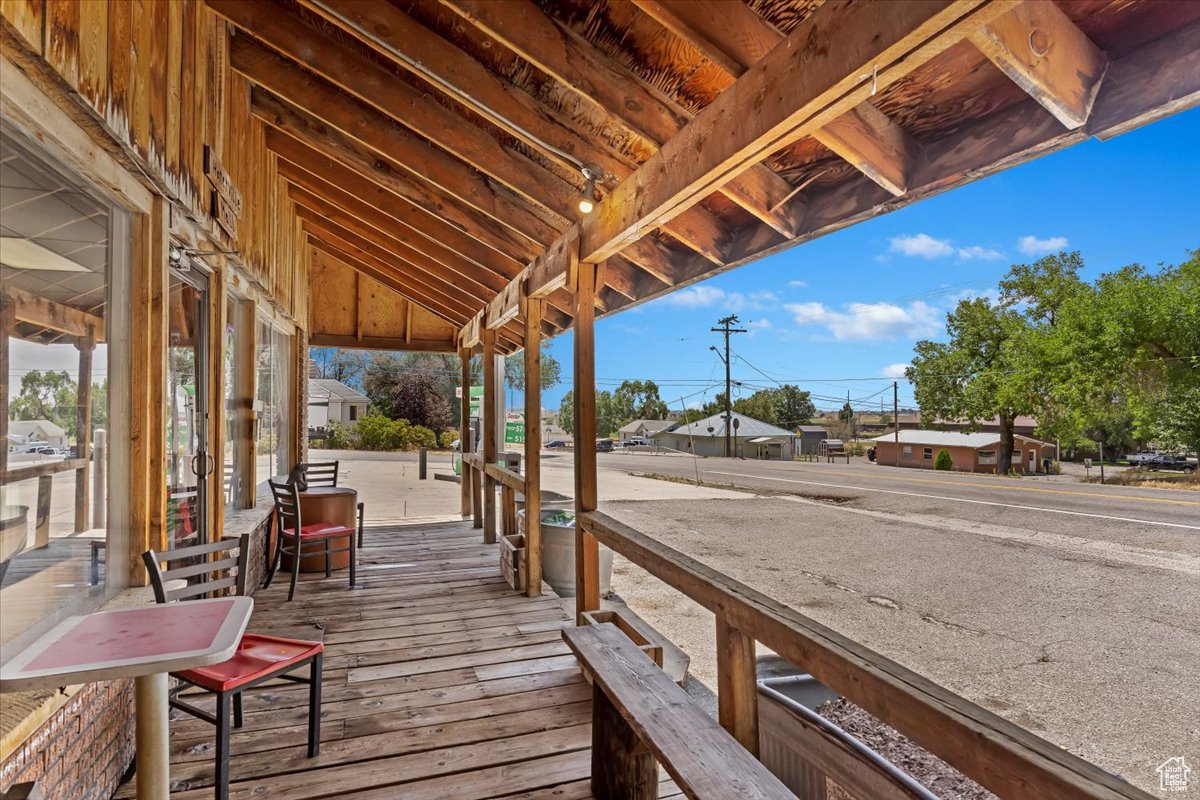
[[964, 500]]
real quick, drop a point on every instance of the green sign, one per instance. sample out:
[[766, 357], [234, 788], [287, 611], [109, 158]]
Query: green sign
[[514, 432], [476, 399]]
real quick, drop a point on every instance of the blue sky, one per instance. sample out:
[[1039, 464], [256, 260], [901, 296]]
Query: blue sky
[[853, 303]]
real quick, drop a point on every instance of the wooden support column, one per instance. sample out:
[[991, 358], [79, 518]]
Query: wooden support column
[[465, 442], [587, 549], [83, 431], [489, 433], [533, 444], [737, 685], [622, 766], [6, 326]]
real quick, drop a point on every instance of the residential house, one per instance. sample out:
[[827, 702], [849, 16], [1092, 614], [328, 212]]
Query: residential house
[[970, 452], [334, 401], [642, 429], [39, 430], [751, 438]]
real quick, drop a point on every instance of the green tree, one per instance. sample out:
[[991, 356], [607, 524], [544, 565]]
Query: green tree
[[336, 363], [762, 405], [608, 414], [795, 407], [49, 395], [980, 373], [514, 371], [566, 412], [943, 460], [638, 400]]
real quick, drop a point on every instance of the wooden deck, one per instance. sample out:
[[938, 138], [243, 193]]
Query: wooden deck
[[440, 683]]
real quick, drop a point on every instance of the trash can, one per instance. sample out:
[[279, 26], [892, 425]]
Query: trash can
[[558, 552]]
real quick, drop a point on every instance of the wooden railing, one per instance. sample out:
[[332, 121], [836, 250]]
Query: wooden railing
[[510, 483], [44, 473], [1001, 756]]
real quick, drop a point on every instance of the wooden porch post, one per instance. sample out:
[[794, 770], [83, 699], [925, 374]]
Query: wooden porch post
[[533, 445], [6, 327], [465, 442], [83, 430], [489, 434], [737, 685], [587, 549]]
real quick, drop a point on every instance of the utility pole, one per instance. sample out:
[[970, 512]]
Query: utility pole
[[726, 323], [896, 416]]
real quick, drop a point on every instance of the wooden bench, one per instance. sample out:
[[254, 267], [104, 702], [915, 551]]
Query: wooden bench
[[640, 716]]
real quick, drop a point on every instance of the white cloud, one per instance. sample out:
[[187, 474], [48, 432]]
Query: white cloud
[[1033, 246], [759, 325], [870, 321], [797, 284], [977, 253], [695, 297], [752, 301], [921, 245], [894, 370]]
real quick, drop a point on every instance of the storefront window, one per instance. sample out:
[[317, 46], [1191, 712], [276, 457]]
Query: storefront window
[[63, 262], [273, 401], [234, 420]]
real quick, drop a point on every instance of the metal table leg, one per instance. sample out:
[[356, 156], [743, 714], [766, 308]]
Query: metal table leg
[[153, 749]]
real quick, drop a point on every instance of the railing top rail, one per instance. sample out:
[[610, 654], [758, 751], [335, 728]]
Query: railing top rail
[[513, 480], [23, 473], [1005, 758]]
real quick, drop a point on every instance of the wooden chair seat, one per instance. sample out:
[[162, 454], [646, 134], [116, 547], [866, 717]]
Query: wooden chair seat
[[257, 657], [640, 714], [320, 530]]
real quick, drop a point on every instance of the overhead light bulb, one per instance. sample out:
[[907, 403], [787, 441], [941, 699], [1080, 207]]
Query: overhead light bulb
[[586, 206], [587, 199]]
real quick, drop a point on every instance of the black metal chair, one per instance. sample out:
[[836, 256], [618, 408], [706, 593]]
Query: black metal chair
[[293, 534], [325, 473], [211, 570]]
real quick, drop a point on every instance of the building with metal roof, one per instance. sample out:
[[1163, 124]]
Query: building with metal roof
[[751, 438], [969, 452]]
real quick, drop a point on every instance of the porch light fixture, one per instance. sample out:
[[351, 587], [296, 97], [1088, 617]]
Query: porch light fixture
[[587, 200], [176, 254]]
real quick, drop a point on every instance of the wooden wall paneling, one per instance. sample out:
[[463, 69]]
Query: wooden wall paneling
[[93, 53], [116, 108], [156, 85], [140, 78], [189, 11], [174, 93], [27, 19], [62, 38], [200, 110]]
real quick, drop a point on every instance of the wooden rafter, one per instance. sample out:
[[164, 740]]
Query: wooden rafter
[[736, 38], [521, 27], [1046, 54], [23, 306]]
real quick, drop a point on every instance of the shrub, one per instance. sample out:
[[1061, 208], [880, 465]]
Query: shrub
[[943, 460], [377, 432], [420, 436], [447, 439], [338, 437]]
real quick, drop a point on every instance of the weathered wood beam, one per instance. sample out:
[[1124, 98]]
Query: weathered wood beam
[[533, 445], [736, 38], [297, 145], [569, 58], [809, 80], [587, 549], [873, 144], [327, 178], [395, 34], [29, 308], [300, 100], [383, 343], [1045, 53]]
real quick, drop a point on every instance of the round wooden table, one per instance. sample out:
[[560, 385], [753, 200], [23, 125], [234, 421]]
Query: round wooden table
[[333, 504]]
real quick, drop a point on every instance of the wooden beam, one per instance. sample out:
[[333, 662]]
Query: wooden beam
[[737, 685], [533, 446], [789, 94], [587, 550], [1045, 53], [466, 444], [382, 343], [411, 45], [490, 423], [303, 101], [44, 313], [875, 145]]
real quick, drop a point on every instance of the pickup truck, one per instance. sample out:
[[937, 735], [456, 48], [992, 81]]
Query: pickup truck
[[1170, 463], [1141, 457]]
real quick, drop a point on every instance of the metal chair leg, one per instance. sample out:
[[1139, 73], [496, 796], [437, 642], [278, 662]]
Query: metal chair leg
[[299, 548], [237, 710], [329, 558], [353, 559], [275, 562], [221, 779], [314, 707], [360, 524]]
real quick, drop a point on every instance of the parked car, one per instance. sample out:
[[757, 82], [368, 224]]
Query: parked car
[[50, 452], [556, 445], [1141, 457], [1171, 463], [604, 445]]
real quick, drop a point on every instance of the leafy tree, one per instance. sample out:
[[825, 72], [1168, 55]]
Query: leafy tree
[[980, 373], [763, 405], [638, 400], [795, 407], [943, 460], [49, 395], [514, 371], [415, 394], [335, 363], [566, 412]]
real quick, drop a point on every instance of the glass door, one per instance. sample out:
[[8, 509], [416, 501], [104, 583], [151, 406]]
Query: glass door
[[189, 462]]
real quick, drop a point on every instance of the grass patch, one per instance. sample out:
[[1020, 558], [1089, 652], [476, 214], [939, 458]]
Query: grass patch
[[1151, 479]]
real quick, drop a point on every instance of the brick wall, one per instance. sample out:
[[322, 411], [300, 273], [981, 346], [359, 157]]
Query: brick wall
[[82, 750]]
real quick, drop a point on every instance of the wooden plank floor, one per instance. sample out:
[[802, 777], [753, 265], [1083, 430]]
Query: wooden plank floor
[[440, 682]]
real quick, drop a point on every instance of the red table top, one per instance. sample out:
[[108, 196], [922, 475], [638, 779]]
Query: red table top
[[131, 642]]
